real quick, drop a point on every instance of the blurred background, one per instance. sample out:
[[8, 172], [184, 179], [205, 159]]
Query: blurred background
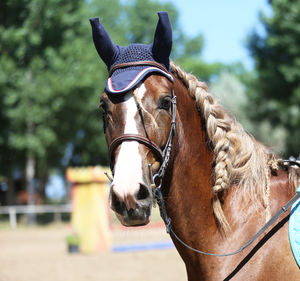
[[50, 83]]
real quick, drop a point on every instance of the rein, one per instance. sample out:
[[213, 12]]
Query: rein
[[167, 221]]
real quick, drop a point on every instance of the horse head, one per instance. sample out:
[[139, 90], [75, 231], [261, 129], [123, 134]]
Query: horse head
[[139, 113]]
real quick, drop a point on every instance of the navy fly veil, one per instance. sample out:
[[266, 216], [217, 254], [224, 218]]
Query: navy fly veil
[[122, 77]]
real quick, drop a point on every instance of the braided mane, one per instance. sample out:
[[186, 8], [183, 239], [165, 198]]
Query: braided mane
[[239, 159]]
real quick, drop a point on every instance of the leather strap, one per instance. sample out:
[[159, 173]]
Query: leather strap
[[137, 63], [169, 229], [132, 137], [162, 156]]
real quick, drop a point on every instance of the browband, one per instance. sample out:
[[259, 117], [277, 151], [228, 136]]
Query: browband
[[136, 63]]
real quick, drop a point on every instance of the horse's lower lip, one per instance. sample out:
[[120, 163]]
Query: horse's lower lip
[[127, 221], [135, 224]]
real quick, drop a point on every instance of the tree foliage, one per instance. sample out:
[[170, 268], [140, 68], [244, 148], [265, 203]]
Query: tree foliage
[[233, 95], [277, 58], [49, 86], [51, 77]]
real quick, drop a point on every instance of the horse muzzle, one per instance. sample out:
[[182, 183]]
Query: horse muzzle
[[132, 209]]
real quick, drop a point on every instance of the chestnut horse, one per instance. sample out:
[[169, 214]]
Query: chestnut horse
[[219, 184], [214, 163]]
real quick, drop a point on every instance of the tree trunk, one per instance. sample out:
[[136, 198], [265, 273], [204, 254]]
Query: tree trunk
[[29, 174], [30, 163], [30, 170]]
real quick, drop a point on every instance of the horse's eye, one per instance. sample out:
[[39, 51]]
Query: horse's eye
[[165, 103]]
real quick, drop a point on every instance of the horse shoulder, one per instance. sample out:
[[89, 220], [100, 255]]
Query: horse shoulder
[[281, 190]]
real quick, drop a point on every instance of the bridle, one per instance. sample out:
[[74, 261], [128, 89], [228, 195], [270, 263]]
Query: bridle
[[164, 156]]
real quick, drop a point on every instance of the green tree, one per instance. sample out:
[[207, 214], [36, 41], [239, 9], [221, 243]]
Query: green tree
[[233, 95], [189, 56], [277, 59], [48, 85], [51, 78], [141, 18], [140, 21]]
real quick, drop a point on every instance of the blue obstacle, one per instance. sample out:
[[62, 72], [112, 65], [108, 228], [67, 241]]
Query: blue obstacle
[[143, 247]]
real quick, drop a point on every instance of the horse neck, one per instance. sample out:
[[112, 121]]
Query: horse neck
[[189, 194]]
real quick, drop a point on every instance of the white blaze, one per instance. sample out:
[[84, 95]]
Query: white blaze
[[128, 165]]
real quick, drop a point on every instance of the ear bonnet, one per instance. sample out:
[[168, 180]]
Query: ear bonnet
[[129, 65]]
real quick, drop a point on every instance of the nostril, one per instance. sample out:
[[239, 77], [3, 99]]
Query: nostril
[[143, 193], [116, 203]]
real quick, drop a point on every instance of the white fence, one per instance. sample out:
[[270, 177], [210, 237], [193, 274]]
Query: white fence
[[12, 211]]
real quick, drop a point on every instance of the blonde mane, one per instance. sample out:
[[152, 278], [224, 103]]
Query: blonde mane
[[239, 159]]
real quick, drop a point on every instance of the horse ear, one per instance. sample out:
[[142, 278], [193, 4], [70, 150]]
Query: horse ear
[[162, 43], [105, 47]]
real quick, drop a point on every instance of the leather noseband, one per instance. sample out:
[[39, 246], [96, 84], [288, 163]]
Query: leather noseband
[[131, 137]]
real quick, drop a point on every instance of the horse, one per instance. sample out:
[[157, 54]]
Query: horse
[[219, 184]]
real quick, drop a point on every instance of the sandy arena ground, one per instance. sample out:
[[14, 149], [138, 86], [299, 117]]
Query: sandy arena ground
[[39, 254]]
